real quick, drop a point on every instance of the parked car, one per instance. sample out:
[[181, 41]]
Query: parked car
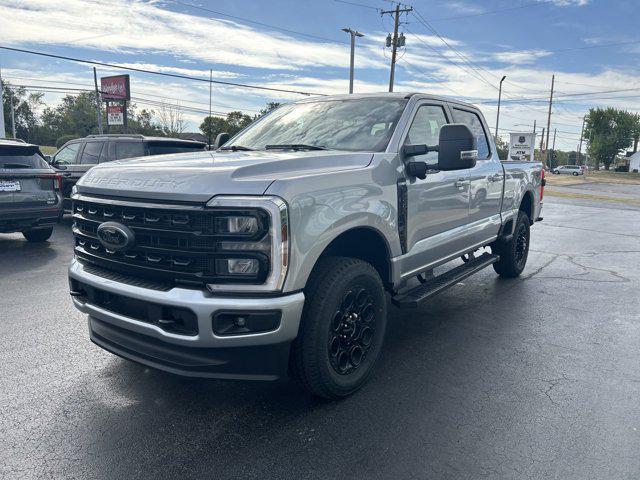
[[30, 197], [77, 156], [568, 169], [274, 254]]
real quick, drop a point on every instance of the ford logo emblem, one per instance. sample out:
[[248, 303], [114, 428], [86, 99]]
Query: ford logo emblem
[[115, 236]]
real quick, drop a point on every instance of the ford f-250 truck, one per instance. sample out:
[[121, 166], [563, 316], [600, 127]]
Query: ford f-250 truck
[[277, 253]]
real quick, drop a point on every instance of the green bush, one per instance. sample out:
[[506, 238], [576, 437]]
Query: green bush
[[64, 139]]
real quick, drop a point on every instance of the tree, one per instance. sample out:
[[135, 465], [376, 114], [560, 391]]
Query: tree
[[503, 148], [267, 108], [171, 120], [212, 126], [236, 121], [610, 132]]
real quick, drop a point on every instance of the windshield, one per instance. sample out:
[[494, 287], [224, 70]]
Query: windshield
[[363, 124], [13, 157]]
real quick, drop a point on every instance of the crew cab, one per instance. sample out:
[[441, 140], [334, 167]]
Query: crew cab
[[30, 197], [275, 254]]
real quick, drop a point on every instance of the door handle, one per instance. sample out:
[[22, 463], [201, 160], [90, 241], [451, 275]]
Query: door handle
[[461, 182]]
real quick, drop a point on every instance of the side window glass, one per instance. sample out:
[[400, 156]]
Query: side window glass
[[472, 120], [91, 153], [129, 149], [67, 155], [425, 130], [104, 154]]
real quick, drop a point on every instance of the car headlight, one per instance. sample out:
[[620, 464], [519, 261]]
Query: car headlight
[[254, 255]]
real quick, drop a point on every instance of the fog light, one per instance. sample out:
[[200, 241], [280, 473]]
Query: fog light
[[237, 266], [245, 322]]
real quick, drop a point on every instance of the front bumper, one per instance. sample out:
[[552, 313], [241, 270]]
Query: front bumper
[[256, 356]]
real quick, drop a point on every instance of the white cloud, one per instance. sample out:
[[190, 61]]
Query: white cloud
[[521, 57]]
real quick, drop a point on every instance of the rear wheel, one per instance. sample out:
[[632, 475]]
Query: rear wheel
[[342, 329], [514, 253], [38, 234], [575, 174]]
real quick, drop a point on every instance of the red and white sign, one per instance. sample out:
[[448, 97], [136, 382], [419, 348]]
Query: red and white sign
[[115, 88], [115, 115]]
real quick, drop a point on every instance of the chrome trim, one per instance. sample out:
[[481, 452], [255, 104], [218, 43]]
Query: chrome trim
[[201, 302], [128, 203], [278, 212]]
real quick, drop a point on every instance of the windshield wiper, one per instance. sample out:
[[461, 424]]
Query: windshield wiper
[[237, 148], [294, 146], [16, 165]]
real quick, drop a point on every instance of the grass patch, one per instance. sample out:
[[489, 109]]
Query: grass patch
[[588, 196], [48, 150]]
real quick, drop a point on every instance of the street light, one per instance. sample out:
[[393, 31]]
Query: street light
[[499, 99], [354, 34]]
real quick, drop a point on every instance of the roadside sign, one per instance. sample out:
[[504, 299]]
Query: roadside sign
[[115, 88], [115, 114], [522, 146]]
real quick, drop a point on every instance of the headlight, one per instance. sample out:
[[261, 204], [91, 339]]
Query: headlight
[[255, 253]]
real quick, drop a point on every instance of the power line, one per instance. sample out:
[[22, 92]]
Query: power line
[[164, 74], [357, 4], [492, 12]]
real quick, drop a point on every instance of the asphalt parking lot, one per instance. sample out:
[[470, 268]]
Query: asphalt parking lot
[[537, 377]]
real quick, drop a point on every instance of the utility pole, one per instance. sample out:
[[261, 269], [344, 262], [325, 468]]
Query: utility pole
[[499, 99], [580, 144], [534, 127], [210, 119], [2, 132], [394, 41], [553, 149], [553, 79], [98, 112], [542, 146], [13, 116], [353, 34]]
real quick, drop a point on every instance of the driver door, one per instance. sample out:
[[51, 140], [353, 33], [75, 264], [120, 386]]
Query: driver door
[[439, 204]]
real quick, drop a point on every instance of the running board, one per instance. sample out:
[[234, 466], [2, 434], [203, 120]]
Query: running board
[[416, 297]]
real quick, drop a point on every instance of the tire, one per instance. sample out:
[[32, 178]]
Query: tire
[[336, 351], [575, 174], [514, 253], [38, 234]]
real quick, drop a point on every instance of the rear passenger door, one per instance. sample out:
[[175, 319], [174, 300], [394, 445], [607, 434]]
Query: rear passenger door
[[67, 159], [93, 153], [486, 178]]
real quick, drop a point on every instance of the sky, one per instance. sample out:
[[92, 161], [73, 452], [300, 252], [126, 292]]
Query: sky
[[454, 48]]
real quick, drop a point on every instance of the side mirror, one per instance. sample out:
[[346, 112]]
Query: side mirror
[[458, 147], [48, 159], [221, 139]]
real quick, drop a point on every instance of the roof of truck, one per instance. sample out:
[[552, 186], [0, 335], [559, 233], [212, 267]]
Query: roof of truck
[[398, 95]]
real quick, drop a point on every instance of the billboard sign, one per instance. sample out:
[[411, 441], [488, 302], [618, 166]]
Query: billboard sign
[[115, 88], [522, 146], [115, 114]]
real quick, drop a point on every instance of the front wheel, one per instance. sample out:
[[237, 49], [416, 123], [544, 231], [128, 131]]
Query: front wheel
[[575, 174], [38, 234], [514, 253], [342, 329]]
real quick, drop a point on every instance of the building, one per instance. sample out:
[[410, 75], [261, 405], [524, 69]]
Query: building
[[634, 162]]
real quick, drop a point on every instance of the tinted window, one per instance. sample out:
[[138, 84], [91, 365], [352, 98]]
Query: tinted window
[[16, 157], [472, 120], [91, 153], [129, 149], [161, 149], [67, 155], [425, 130], [363, 124]]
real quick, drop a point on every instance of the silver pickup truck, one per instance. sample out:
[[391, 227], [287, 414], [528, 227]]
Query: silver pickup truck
[[277, 254]]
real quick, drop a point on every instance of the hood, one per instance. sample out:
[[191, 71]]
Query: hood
[[198, 176]]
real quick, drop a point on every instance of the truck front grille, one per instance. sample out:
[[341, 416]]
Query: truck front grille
[[175, 243]]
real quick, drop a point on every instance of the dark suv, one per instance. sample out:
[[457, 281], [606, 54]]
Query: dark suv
[[77, 156], [30, 198]]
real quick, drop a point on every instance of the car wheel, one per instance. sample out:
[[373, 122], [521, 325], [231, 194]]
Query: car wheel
[[575, 174], [342, 329], [38, 234], [514, 253]]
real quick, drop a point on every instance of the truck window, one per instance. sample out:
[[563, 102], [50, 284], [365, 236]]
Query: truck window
[[472, 120], [425, 130], [91, 153], [129, 149], [67, 155], [159, 148]]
